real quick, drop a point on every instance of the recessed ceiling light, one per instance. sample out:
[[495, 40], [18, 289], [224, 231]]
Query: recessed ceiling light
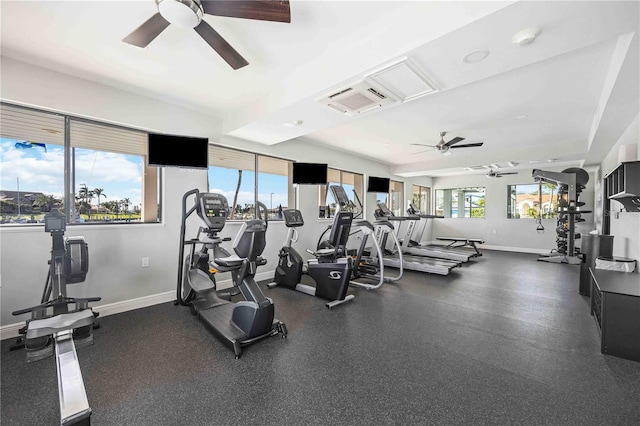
[[294, 123], [475, 56], [534, 161], [527, 36], [521, 116]]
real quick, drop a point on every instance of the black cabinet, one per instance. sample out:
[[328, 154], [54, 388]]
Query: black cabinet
[[591, 247], [615, 306]]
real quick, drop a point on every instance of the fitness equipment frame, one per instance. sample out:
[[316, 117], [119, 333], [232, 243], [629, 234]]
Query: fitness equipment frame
[[455, 243], [54, 325], [397, 258], [330, 270], [573, 180], [367, 262], [236, 324]]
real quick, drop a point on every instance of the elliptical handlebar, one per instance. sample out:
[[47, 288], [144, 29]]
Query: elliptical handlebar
[[262, 213]]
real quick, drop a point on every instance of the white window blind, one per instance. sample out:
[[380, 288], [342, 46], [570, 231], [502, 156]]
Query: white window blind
[[107, 138], [31, 126]]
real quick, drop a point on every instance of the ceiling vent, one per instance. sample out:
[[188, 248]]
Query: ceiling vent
[[471, 168], [404, 79], [357, 99]]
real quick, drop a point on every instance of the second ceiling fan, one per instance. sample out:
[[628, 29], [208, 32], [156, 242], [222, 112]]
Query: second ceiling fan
[[190, 13], [443, 147]]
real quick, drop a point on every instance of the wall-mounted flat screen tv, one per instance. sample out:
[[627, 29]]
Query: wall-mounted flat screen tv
[[378, 184], [310, 173], [177, 151]]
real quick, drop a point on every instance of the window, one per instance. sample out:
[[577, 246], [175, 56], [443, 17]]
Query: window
[[460, 202], [523, 201], [232, 173], [49, 158], [396, 195], [275, 188], [350, 182], [421, 198]]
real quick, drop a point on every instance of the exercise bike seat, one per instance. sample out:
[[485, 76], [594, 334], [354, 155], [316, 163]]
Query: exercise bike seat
[[322, 252], [233, 261]]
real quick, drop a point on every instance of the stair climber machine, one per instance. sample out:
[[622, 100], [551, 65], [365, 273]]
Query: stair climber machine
[[395, 257], [236, 324], [60, 323], [367, 259], [330, 270]]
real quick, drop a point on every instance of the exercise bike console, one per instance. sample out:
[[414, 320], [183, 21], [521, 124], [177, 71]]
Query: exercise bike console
[[212, 209]]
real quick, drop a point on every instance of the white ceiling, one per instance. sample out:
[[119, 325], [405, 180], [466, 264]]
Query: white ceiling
[[566, 97]]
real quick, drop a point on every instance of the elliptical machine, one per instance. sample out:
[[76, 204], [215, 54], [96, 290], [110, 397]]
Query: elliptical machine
[[60, 322], [236, 324], [368, 260], [330, 270]]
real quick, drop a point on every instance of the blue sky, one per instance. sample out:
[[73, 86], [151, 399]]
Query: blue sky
[[224, 181], [119, 175]]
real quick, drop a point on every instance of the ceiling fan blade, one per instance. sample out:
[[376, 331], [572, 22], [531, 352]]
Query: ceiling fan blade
[[145, 33], [423, 144], [220, 45], [467, 145], [454, 140], [508, 173], [262, 10]]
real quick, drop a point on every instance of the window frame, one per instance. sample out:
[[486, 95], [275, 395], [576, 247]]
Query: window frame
[[69, 166], [514, 211], [323, 190], [424, 197], [291, 193], [464, 191]]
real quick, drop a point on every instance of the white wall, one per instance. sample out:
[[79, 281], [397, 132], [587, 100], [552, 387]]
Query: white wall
[[495, 229], [625, 226], [115, 251]]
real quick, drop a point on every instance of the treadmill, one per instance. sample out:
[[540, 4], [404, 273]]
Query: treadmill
[[434, 250], [395, 257]]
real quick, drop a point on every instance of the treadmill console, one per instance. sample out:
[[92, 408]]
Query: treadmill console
[[213, 210], [340, 195], [385, 210], [293, 218]]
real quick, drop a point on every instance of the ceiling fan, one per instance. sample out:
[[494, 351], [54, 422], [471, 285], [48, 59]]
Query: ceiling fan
[[492, 174], [443, 147], [190, 13]]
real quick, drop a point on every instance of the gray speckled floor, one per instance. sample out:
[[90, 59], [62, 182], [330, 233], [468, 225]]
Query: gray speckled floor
[[505, 340]]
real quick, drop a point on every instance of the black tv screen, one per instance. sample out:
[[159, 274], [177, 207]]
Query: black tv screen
[[177, 151], [310, 173], [378, 184]]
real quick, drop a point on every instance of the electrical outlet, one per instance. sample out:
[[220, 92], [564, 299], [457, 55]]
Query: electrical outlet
[[145, 262]]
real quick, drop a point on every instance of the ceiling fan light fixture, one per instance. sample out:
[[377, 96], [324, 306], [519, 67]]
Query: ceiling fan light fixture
[[183, 13]]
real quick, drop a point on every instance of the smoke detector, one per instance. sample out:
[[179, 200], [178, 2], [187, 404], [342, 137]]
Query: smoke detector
[[527, 36]]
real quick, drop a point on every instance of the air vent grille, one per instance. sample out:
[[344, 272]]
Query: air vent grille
[[357, 98]]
